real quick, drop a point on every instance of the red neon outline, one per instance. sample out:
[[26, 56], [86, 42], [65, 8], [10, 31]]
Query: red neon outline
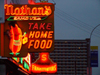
[[44, 11], [38, 68], [44, 68], [15, 39]]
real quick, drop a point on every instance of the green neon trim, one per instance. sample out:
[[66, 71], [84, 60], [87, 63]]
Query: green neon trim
[[16, 40], [44, 18], [21, 60], [15, 58], [17, 44], [24, 34], [26, 66], [11, 53], [17, 54], [9, 19]]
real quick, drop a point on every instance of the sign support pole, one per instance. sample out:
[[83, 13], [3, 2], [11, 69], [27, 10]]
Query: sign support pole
[[2, 39]]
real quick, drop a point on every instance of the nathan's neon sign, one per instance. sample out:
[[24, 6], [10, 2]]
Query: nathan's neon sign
[[28, 35], [26, 10]]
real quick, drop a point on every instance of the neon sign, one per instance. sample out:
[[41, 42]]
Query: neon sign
[[15, 40], [24, 63], [44, 64], [29, 35], [43, 44], [27, 12], [42, 68]]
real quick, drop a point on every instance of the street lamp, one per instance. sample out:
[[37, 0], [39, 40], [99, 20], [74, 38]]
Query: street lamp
[[90, 45]]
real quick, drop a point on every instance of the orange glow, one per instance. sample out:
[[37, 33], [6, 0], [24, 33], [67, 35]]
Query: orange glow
[[37, 34], [25, 38], [15, 39], [15, 59], [40, 34], [44, 68], [40, 44], [22, 10], [44, 35], [30, 43], [49, 44], [25, 10], [44, 64], [21, 18], [17, 11], [41, 11], [8, 9], [31, 34], [44, 57], [21, 66], [50, 34], [43, 44], [48, 10], [36, 45]]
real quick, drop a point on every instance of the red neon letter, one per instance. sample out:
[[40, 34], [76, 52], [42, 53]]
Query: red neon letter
[[49, 26], [30, 24], [42, 26], [35, 26]]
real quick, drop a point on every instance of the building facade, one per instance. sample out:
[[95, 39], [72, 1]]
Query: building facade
[[71, 57]]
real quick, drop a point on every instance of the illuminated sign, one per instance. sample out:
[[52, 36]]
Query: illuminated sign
[[23, 35], [48, 34], [23, 63], [27, 12], [42, 68], [44, 64]]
